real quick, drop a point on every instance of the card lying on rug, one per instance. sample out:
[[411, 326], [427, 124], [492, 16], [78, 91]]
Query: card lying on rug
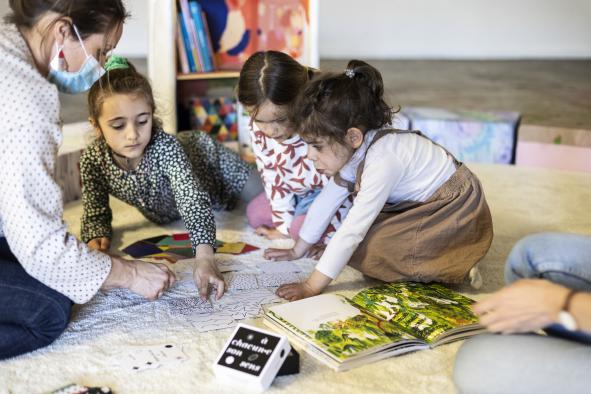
[[178, 246], [376, 323], [141, 358]]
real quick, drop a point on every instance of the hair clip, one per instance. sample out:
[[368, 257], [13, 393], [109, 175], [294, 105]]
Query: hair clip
[[114, 62], [350, 73]]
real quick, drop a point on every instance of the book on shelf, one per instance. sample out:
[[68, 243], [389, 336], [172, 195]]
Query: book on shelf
[[184, 39], [222, 34], [181, 49], [376, 323], [205, 55]]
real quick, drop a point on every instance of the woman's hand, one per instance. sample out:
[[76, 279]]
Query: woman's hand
[[524, 306], [146, 279], [311, 287], [103, 244], [270, 233], [206, 272]]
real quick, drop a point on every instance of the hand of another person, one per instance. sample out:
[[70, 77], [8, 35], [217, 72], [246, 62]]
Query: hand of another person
[[296, 291], [205, 273], [270, 233], [103, 244], [523, 306]]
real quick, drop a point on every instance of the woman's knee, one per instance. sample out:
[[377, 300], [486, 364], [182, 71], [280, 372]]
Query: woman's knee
[[521, 262], [52, 320]]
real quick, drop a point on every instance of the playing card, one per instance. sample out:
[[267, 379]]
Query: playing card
[[137, 360], [140, 358]]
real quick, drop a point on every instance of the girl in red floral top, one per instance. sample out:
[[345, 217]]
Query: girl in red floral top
[[269, 82]]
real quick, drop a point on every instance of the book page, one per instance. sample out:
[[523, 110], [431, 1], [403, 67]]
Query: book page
[[332, 324], [426, 311]]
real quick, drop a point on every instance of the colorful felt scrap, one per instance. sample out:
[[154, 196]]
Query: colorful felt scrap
[[178, 246]]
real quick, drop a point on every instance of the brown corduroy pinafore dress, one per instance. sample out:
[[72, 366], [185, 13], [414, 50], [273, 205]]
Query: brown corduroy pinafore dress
[[440, 239]]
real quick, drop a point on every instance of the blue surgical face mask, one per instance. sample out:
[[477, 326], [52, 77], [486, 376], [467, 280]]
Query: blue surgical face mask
[[74, 82]]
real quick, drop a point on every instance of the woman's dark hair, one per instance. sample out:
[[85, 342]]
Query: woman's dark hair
[[332, 103], [89, 16], [273, 76], [121, 81]]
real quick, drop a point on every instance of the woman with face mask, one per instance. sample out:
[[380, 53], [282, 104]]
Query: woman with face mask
[[46, 46]]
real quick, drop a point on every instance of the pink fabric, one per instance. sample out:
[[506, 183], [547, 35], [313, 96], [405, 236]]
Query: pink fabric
[[296, 225], [258, 213]]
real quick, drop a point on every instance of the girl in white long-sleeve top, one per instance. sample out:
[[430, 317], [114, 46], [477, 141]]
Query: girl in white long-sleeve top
[[418, 214]]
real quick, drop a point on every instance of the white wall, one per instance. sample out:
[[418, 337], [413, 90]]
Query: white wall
[[455, 28], [134, 42], [462, 29]]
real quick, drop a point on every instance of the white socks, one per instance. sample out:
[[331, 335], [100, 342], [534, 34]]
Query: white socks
[[475, 278]]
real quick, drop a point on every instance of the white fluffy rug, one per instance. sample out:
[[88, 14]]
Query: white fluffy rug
[[522, 201]]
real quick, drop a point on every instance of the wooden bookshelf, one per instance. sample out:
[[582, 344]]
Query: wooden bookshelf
[[209, 75], [171, 87]]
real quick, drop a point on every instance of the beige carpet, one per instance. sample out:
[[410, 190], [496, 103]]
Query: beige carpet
[[522, 201]]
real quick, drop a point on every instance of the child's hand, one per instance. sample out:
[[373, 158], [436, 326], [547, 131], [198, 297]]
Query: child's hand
[[296, 291], [281, 254], [102, 244], [314, 285], [316, 251], [205, 273], [270, 233]]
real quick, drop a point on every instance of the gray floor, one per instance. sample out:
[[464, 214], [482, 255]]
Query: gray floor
[[547, 93]]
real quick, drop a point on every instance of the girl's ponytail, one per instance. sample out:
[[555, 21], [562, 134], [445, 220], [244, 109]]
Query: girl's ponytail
[[367, 75], [333, 103]]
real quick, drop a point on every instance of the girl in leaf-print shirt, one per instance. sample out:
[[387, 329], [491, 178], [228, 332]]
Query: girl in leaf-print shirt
[[269, 82]]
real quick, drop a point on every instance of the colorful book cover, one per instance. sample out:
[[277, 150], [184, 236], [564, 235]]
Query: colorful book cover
[[195, 9], [192, 34], [376, 323], [424, 311], [182, 59], [210, 51], [187, 44]]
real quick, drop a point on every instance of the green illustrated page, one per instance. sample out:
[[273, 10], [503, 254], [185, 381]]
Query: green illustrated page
[[425, 311], [336, 326]]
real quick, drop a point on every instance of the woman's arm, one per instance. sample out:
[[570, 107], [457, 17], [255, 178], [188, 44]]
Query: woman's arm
[[530, 304], [146, 279]]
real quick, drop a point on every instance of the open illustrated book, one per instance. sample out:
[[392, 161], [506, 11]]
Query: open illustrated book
[[378, 322]]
